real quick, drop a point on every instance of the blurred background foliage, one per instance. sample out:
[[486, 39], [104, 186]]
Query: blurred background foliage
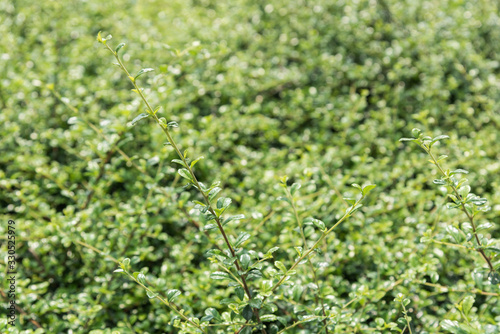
[[318, 90]]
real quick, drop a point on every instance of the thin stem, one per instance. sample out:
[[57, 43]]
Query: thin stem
[[448, 289], [318, 298], [462, 204], [323, 236], [407, 318], [169, 305], [195, 181]]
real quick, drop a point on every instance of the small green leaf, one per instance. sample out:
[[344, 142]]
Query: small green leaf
[[434, 277], [211, 313], [240, 293], [351, 201], [247, 313], [280, 266], [294, 188], [173, 124], [126, 262], [138, 118], [185, 174], [141, 72], [467, 304], [298, 249], [141, 278], [319, 224], [271, 251], [268, 317], [493, 277], [353, 209], [455, 234], [416, 132], [210, 227], [180, 162], [207, 318], [246, 330], [441, 137], [255, 303], [219, 275], [459, 171], [355, 185], [118, 271], [242, 237], [297, 292], [245, 261], [493, 249], [118, 48], [478, 201], [151, 294], [229, 219], [442, 157], [223, 202], [484, 226], [172, 294], [407, 139], [464, 191], [213, 193], [367, 189], [195, 161], [284, 199]]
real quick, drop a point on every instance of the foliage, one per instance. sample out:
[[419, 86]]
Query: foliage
[[320, 91]]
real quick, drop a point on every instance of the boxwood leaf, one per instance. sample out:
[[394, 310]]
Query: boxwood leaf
[[294, 188], [280, 266], [138, 118], [180, 162], [151, 294], [467, 304], [367, 189], [195, 161], [141, 72], [141, 278], [213, 193], [237, 217], [118, 48], [172, 294], [185, 174], [223, 202], [242, 237], [219, 275], [268, 317], [247, 313]]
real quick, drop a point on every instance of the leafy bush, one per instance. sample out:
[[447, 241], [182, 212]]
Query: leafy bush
[[319, 91]]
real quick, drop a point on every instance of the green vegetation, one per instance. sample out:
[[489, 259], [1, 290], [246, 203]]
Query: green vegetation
[[297, 109]]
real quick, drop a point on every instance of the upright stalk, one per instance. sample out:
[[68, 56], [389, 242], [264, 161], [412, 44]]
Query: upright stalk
[[462, 205], [318, 299], [152, 113]]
